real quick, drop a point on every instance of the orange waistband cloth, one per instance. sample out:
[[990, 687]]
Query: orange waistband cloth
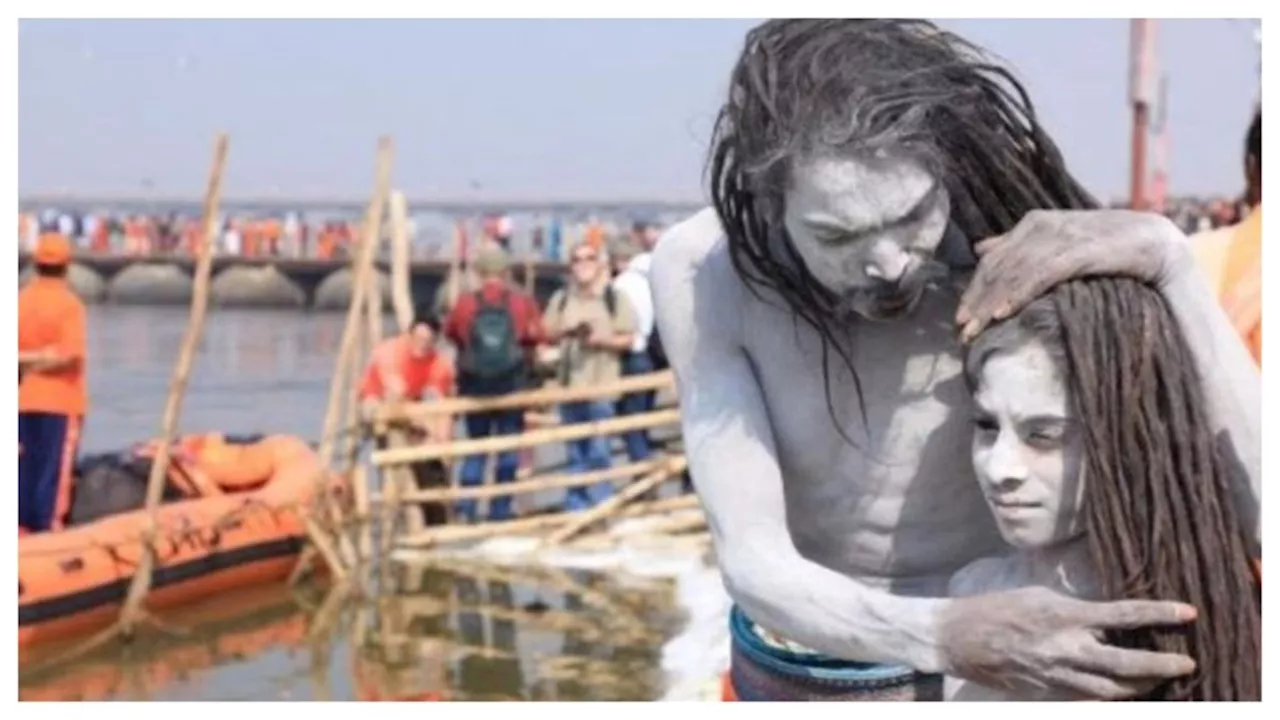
[[726, 689]]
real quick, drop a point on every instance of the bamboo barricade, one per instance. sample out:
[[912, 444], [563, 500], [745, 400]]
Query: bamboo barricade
[[504, 443], [397, 412], [637, 480]]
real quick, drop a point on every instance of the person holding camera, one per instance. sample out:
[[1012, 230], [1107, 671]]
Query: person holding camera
[[594, 328]]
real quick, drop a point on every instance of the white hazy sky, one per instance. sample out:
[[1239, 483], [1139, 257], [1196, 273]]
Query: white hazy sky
[[533, 108]]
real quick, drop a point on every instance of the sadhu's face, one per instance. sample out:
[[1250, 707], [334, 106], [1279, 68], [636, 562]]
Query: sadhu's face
[[867, 229]]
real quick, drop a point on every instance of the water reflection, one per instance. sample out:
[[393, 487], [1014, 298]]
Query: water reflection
[[527, 634], [451, 633]]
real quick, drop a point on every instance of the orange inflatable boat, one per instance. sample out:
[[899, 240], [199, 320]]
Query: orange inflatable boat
[[232, 517]]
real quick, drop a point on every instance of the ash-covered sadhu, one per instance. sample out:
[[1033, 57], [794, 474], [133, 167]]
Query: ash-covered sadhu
[[811, 317]]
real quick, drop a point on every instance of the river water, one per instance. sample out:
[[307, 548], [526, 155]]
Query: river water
[[459, 632]]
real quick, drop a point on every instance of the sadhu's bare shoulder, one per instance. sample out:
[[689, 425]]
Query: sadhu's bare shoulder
[[689, 245]]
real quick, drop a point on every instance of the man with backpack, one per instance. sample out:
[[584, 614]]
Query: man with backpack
[[594, 328], [495, 329]]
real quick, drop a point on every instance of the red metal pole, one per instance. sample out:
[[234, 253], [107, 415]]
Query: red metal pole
[[1160, 160], [1141, 66]]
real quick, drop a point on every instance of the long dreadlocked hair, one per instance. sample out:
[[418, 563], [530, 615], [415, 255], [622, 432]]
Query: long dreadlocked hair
[[805, 88], [1160, 521]]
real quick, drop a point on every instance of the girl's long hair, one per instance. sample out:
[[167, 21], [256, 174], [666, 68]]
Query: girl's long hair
[[1160, 520]]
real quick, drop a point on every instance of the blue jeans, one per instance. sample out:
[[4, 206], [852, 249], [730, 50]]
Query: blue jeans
[[44, 468], [637, 441], [479, 425], [587, 454]]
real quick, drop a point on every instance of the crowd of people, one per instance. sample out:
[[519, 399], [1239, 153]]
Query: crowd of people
[[288, 235], [595, 330], [291, 234]]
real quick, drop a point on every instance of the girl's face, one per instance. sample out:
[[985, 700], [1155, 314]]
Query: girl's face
[[1027, 449]]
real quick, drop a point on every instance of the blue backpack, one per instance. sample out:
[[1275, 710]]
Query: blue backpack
[[493, 349]]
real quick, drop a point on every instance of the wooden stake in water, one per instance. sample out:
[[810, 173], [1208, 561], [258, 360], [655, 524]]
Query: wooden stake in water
[[347, 349], [141, 584], [401, 286]]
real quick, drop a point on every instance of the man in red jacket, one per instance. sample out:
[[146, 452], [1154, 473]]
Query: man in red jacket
[[496, 329]]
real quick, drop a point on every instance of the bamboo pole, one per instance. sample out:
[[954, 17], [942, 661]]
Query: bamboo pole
[[347, 347], [664, 505], [402, 302], [391, 489], [404, 475], [459, 533], [367, 302], [349, 445], [551, 520], [503, 443], [401, 287], [373, 336], [676, 525], [360, 488], [141, 583], [610, 507], [398, 412], [532, 485], [373, 289], [394, 496], [320, 539], [537, 419]]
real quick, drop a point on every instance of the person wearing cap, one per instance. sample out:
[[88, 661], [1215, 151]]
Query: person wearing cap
[[408, 367], [496, 329], [52, 396]]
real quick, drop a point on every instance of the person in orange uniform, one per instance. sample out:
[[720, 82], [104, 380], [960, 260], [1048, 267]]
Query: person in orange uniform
[[408, 367], [52, 398], [1231, 256]]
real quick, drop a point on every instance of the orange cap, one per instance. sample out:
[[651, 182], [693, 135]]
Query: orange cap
[[52, 249]]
